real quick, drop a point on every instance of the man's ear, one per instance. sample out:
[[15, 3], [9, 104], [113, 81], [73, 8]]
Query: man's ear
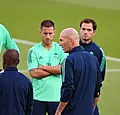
[[4, 61], [40, 31], [18, 61], [94, 32], [72, 41], [54, 32]]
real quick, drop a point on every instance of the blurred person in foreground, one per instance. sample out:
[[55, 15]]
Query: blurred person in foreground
[[6, 40], [44, 65], [87, 31], [81, 77], [16, 93]]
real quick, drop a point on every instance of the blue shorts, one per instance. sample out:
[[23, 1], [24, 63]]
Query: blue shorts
[[41, 107]]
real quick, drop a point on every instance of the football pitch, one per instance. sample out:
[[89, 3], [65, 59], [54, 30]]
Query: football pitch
[[22, 19], [109, 102]]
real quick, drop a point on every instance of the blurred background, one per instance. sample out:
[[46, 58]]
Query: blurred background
[[22, 19]]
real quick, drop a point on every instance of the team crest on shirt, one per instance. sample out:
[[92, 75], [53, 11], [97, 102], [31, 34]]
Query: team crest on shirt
[[56, 55], [40, 57], [92, 53]]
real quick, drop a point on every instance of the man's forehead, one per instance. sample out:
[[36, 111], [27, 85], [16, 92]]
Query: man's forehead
[[48, 29], [87, 25]]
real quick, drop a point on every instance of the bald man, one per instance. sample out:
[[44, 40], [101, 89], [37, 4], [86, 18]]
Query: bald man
[[81, 77], [16, 93]]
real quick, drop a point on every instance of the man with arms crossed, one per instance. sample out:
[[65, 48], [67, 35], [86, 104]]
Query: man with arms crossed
[[87, 31], [44, 65], [81, 77]]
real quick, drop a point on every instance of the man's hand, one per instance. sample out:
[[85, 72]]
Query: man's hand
[[40, 67], [44, 67], [95, 102], [55, 70], [57, 113], [39, 73], [61, 107]]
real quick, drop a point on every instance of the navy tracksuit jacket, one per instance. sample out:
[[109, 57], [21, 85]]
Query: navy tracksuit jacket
[[97, 51], [16, 93], [81, 82]]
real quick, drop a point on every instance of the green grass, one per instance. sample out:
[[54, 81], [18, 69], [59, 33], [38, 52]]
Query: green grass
[[22, 18], [109, 102]]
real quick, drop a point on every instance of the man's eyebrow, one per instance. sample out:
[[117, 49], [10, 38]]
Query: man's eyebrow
[[89, 29]]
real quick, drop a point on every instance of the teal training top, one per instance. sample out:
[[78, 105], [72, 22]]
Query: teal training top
[[5, 40], [48, 88]]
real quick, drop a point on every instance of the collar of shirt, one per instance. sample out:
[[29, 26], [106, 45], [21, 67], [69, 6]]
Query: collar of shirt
[[84, 43], [76, 49], [11, 69]]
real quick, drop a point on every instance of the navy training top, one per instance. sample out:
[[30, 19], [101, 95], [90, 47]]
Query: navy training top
[[97, 51], [16, 93], [81, 81]]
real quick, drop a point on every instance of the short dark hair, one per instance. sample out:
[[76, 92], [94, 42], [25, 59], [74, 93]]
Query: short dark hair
[[88, 20], [47, 23], [11, 57]]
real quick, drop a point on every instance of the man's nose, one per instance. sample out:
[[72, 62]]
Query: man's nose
[[48, 35], [86, 31], [60, 43]]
